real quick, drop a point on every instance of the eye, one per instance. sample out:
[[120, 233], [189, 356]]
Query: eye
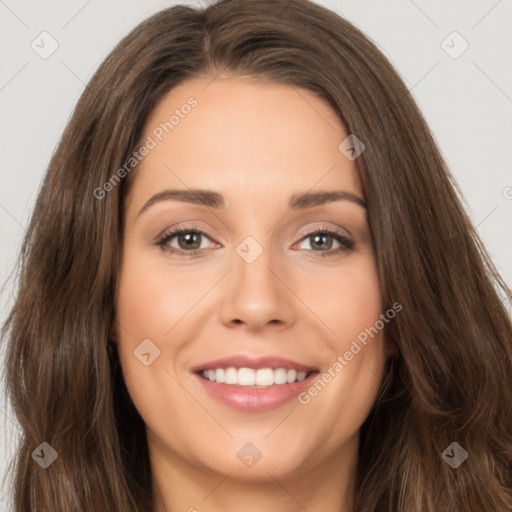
[[188, 240], [321, 240]]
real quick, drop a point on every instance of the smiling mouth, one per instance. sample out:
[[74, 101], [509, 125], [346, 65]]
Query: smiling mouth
[[251, 378]]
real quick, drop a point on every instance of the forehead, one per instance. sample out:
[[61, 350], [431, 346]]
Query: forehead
[[250, 139]]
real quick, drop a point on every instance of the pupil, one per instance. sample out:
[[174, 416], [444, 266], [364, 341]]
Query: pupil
[[190, 237], [317, 237]]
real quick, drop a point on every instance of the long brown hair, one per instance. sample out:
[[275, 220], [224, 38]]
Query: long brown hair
[[450, 377]]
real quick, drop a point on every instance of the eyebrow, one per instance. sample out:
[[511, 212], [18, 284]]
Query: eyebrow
[[215, 200]]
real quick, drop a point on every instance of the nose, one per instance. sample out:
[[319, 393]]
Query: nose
[[258, 293]]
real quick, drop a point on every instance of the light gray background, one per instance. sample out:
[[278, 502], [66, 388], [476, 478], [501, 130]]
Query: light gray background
[[466, 100]]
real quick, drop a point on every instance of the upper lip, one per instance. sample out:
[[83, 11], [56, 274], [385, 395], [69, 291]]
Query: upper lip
[[239, 361]]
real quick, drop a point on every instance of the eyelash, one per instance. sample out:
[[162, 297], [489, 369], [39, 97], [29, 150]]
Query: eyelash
[[346, 244]]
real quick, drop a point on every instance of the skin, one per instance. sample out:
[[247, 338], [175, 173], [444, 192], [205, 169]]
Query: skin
[[256, 143]]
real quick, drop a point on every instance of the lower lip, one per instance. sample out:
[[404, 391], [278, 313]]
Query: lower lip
[[255, 399]]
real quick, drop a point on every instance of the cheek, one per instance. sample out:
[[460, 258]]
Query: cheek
[[347, 300], [360, 302], [153, 298]]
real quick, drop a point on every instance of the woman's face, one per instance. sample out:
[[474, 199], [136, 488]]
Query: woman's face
[[270, 264]]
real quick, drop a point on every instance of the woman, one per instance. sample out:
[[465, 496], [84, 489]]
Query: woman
[[178, 342]]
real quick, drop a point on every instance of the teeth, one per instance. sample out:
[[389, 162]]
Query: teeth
[[264, 377], [219, 376]]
